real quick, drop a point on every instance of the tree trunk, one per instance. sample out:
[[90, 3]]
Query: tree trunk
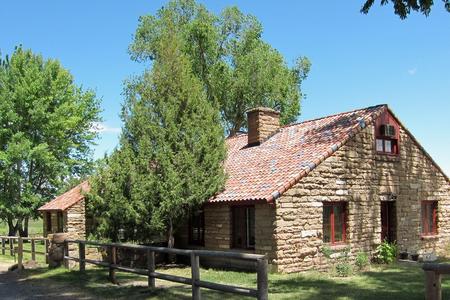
[[23, 229], [171, 239], [12, 229], [171, 243]]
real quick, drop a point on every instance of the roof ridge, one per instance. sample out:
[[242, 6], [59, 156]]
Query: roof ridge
[[333, 115]]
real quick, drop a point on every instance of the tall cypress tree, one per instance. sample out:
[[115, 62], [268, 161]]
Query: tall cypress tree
[[174, 137]]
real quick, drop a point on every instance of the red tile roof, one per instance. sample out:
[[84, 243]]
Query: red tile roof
[[67, 199], [266, 171]]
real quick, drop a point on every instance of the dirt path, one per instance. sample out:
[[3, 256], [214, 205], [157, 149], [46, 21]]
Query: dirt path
[[14, 286]]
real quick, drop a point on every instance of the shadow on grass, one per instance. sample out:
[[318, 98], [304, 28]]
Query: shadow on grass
[[393, 282]]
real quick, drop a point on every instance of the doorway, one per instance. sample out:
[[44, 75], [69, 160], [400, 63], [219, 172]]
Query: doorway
[[388, 224]]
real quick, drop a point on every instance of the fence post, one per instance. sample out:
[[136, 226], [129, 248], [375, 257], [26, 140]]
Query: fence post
[[112, 261], [195, 273], [11, 246], [3, 246], [151, 268], [262, 284], [82, 256], [20, 254], [66, 253], [433, 285], [33, 250], [46, 250]]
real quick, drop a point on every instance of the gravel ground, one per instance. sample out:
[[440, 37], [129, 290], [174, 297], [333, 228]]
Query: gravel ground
[[14, 286]]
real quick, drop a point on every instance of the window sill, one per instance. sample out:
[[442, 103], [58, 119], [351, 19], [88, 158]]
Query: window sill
[[336, 247], [429, 237]]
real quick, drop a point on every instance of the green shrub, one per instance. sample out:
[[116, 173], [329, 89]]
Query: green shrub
[[327, 252], [343, 269], [386, 252], [362, 260]]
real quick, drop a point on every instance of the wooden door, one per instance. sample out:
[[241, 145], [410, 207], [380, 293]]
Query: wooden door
[[388, 224]]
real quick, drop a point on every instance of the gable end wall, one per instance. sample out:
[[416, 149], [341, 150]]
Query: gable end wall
[[357, 175]]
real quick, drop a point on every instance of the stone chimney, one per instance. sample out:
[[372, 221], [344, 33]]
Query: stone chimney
[[263, 122]]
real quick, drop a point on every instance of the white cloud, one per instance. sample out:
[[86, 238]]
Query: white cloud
[[103, 128], [412, 71]]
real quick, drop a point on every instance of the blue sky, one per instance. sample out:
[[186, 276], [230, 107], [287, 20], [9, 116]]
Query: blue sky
[[357, 60]]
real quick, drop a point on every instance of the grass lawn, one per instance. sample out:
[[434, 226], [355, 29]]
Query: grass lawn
[[397, 281], [34, 228]]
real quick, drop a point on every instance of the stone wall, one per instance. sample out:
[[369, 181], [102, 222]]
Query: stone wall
[[359, 176], [75, 221]]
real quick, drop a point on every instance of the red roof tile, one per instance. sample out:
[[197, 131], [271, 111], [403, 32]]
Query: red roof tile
[[67, 199], [266, 171]]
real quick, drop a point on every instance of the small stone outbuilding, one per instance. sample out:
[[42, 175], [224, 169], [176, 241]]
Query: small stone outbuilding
[[67, 213], [349, 180]]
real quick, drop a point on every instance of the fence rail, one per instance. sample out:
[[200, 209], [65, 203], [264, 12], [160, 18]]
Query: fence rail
[[433, 277], [19, 250], [261, 291]]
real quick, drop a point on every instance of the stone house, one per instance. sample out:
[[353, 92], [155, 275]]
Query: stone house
[[66, 213], [348, 180]]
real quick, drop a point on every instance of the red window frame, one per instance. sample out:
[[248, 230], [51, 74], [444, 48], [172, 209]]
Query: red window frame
[[394, 145], [428, 207], [332, 217]]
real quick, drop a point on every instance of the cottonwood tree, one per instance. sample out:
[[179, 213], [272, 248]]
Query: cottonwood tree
[[171, 153], [403, 8], [45, 134], [237, 69]]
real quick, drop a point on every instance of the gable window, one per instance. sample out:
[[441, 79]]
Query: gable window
[[334, 218], [386, 139], [243, 223], [197, 228], [429, 217]]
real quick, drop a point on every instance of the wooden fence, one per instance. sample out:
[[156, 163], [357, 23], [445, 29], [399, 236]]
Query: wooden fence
[[433, 277], [8, 247], [261, 292]]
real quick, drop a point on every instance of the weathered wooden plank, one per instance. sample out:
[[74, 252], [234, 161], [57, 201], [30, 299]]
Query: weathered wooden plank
[[151, 268], [433, 286], [262, 279], [195, 274], [440, 268], [173, 278], [33, 250], [82, 256], [20, 255], [112, 261], [228, 288]]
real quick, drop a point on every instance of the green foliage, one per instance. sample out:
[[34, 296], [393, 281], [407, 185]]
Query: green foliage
[[45, 133], [327, 252], [171, 153], [237, 69], [362, 260], [339, 263], [403, 8], [386, 252], [343, 269]]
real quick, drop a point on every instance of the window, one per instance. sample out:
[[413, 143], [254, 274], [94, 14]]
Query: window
[[60, 222], [197, 228], [243, 223], [429, 217], [389, 146], [334, 218], [49, 221]]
